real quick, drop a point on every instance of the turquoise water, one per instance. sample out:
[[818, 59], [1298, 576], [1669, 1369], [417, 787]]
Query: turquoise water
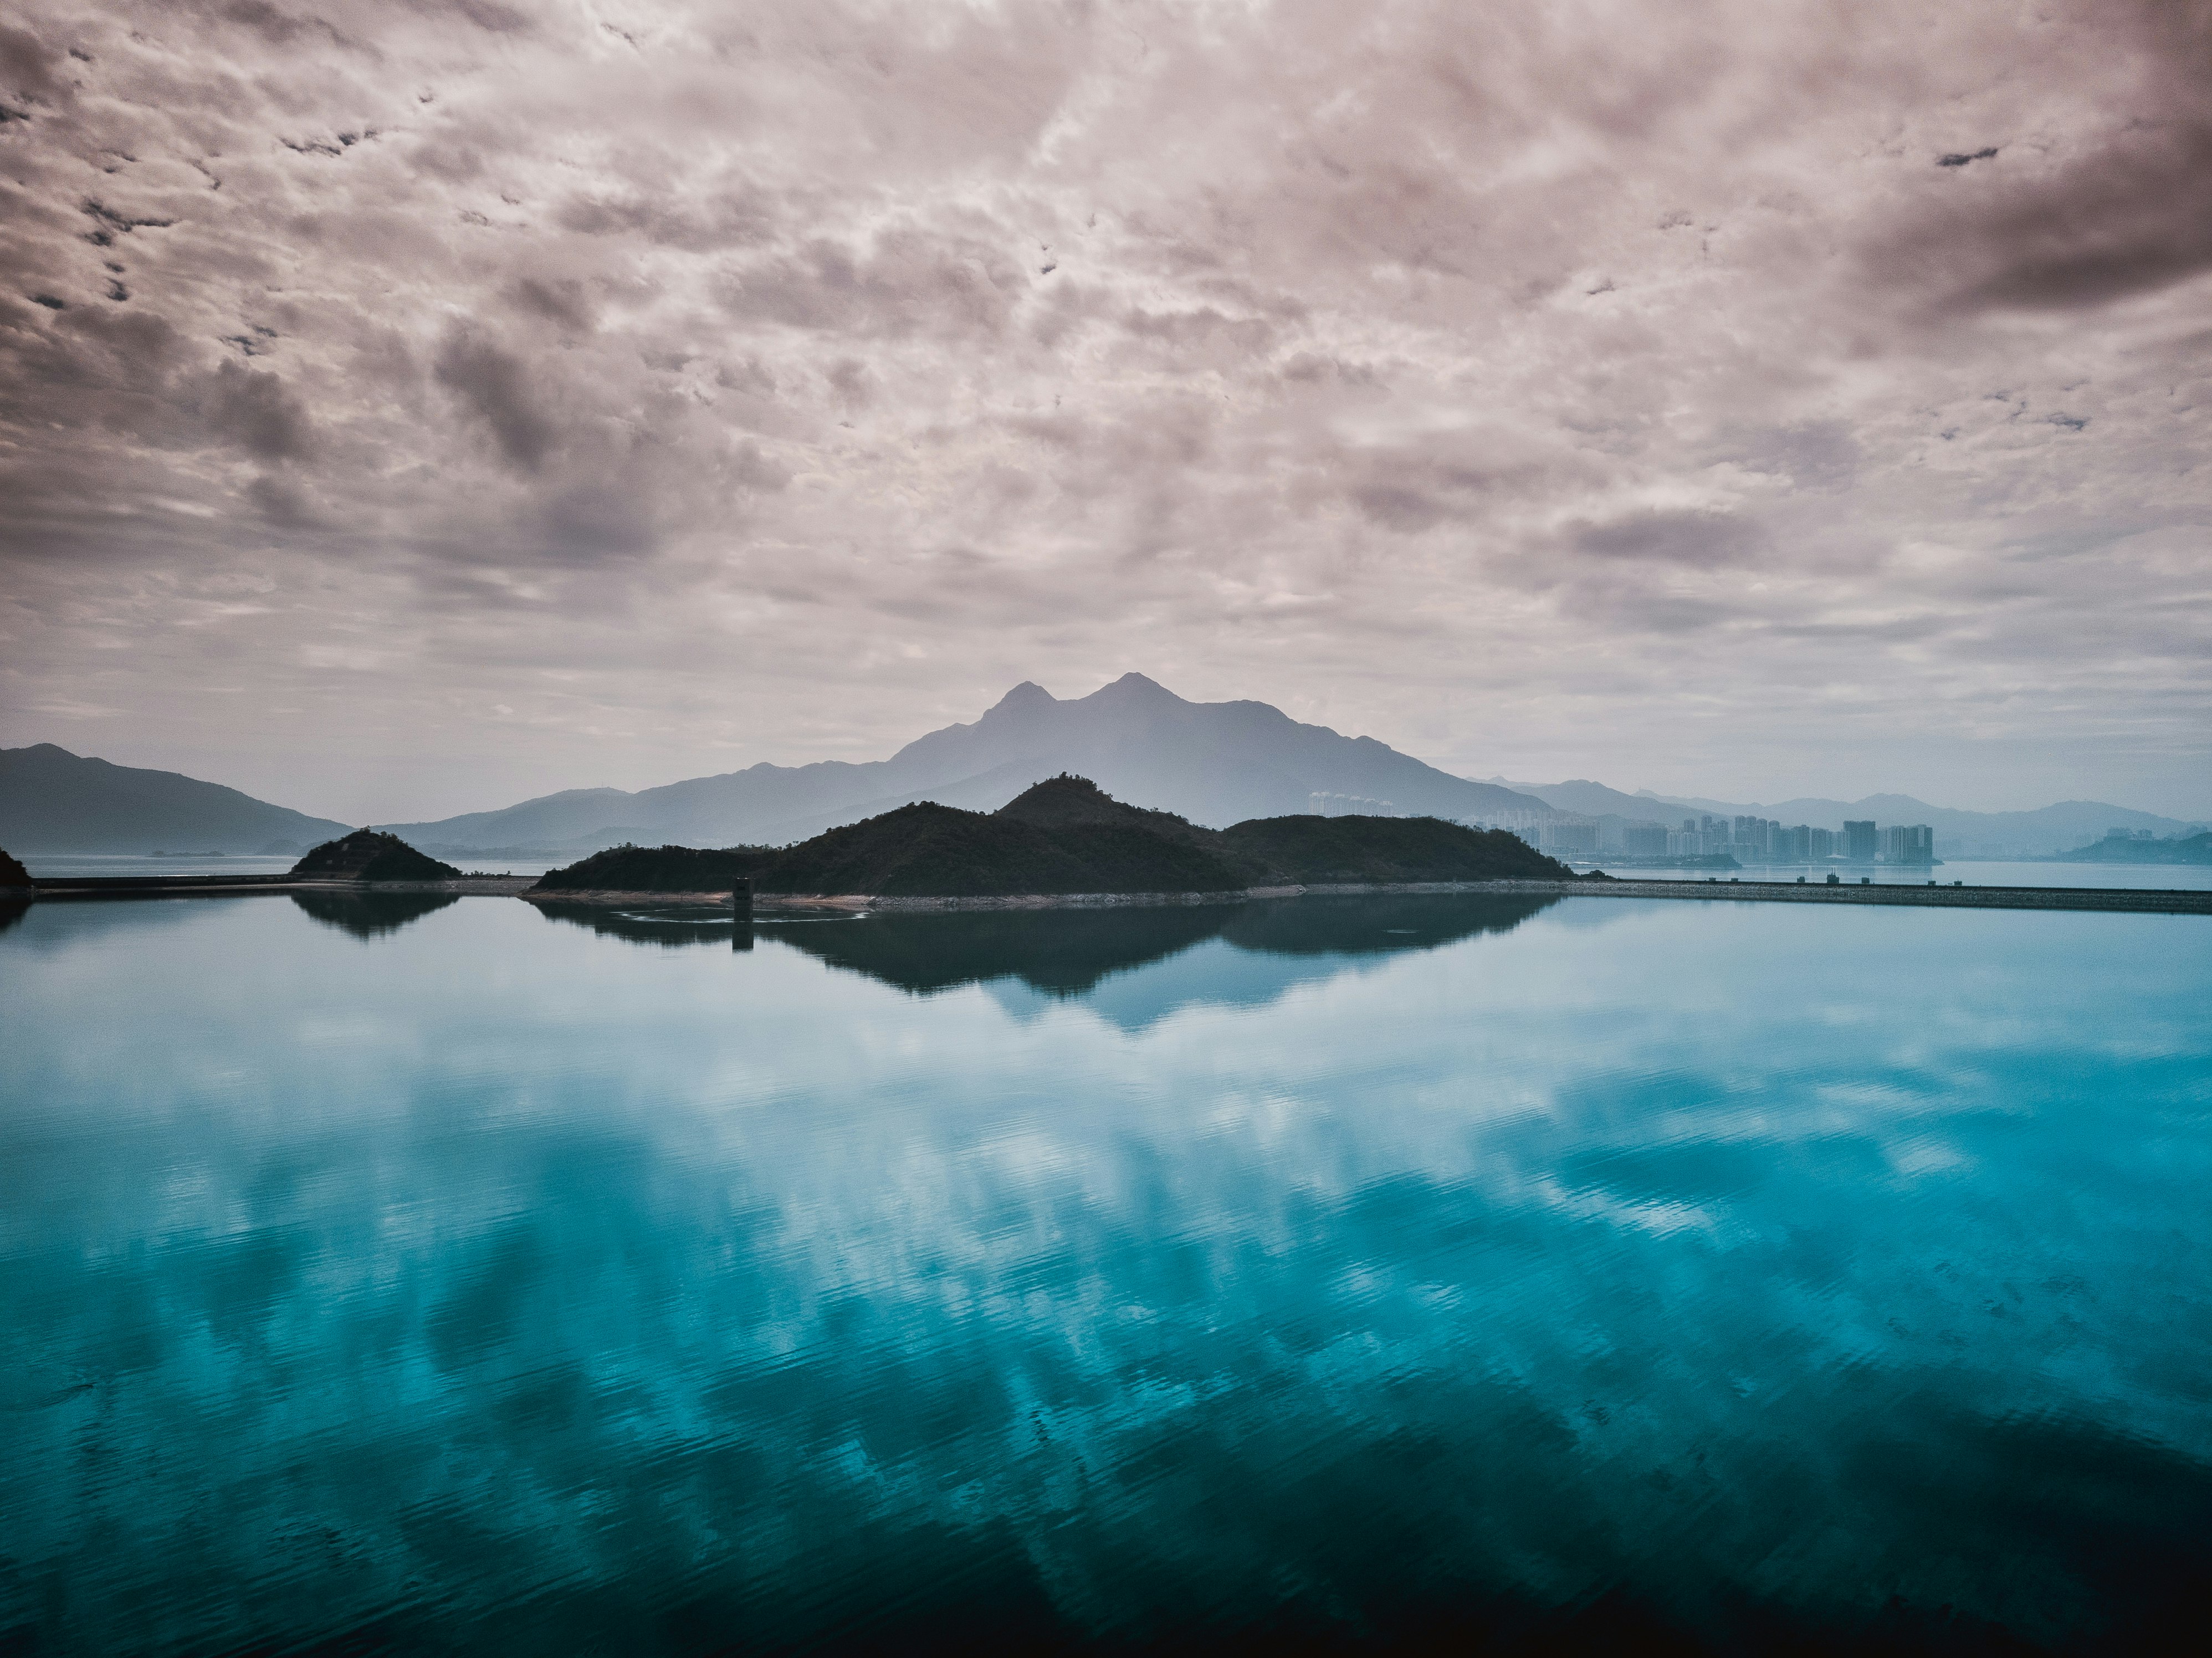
[[441, 1275]]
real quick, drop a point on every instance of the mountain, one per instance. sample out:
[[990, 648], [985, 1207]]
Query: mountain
[[1215, 763], [1066, 835], [366, 855], [2190, 849], [2046, 829], [51, 800]]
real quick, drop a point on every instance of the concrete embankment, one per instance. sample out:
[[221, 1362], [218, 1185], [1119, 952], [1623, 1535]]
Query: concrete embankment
[[2118, 899], [232, 886]]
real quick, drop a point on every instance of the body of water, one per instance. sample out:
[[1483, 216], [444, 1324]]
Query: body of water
[[435, 1274]]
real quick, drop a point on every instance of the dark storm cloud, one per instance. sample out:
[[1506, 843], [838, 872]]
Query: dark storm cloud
[[598, 370], [1700, 540], [493, 385], [254, 410], [2081, 220]]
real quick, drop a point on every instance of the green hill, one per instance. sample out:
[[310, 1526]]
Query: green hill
[[1314, 851], [658, 869], [366, 855], [1067, 835], [2182, 849], [933, 851]]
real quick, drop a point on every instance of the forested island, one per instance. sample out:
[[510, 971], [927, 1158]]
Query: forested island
[[1067, 835], [2120, 848], [368, 856]]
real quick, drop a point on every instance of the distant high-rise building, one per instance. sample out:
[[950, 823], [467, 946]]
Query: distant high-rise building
[[1644, 840], [1819, 843], [1565, 838], [1859, 842], [1908, 843]]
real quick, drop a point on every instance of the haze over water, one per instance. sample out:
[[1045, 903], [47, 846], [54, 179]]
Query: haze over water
[[445, 1274]]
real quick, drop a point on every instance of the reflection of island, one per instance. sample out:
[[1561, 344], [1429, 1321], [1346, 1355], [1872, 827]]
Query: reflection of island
[[12, 910], [372, 915], [1068, 952], [1061, 952], [671, 926]]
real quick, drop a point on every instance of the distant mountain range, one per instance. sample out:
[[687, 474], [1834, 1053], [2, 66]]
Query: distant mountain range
[[2062, 827], [1216, 763], [51, 800]]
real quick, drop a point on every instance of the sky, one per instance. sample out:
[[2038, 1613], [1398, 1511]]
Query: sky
[[408, 407]]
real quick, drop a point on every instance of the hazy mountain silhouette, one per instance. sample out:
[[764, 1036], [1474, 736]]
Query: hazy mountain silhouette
[[1216, 763], [51, 800], [2047, 828]]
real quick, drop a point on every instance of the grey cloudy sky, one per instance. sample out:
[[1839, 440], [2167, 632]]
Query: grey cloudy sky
[[408, 407]]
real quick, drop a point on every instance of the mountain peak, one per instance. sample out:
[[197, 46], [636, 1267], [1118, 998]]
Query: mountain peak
[[1133, 686], [1068, 798], [1027, 695]]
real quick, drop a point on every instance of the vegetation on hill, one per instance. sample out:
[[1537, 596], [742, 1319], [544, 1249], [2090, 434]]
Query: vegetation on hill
[[2181, 849], [658, 869], [13, 874], [368, 856], [1312, 850], [933, 851], [1067, 835]]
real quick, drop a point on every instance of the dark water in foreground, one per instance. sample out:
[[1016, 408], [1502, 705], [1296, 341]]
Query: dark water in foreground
[[440, 1275]]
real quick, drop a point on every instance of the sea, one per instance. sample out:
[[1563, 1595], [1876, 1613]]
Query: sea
[[414, 1273]]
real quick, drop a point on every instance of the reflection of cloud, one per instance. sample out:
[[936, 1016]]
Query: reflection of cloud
[[520, 1285]]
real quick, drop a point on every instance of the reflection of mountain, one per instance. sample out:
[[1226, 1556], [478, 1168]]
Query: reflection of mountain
[[372, 915], [672, 926], [12, 910], [1355, 925], [1068, 953], [1064, 953]]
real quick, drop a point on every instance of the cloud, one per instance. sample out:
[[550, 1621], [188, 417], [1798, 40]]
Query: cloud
[[776, 386], [254, 410], [1698, 539], [2122, 206], [493, 385]]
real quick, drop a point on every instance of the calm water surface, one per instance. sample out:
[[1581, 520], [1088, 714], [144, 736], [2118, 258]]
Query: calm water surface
[[440, 1274]]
